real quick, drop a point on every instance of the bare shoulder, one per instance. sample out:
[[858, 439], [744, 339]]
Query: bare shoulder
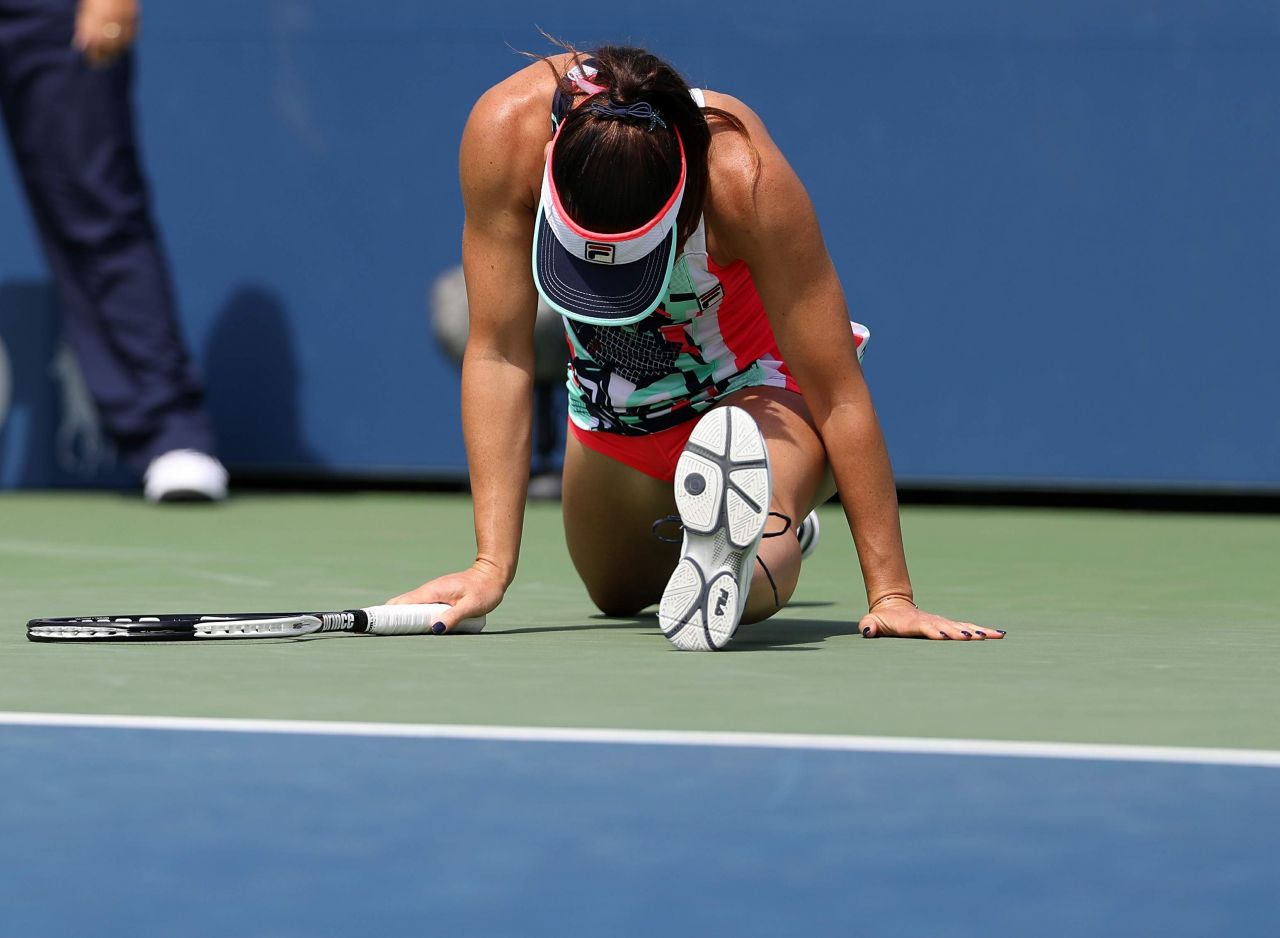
[[509, 125], [749, 174], [520, 91], [723, 136]]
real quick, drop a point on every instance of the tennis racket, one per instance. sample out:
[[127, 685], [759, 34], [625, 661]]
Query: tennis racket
[[373, 620]]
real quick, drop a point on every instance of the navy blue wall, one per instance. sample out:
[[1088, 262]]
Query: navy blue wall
[[1061, 220]]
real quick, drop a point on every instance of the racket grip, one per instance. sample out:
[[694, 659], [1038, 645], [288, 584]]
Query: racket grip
[[415, 619]]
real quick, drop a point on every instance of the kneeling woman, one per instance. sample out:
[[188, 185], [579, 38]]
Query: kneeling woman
[[714, 374]]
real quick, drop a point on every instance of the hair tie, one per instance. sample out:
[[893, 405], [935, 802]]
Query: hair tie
[[641, 110]]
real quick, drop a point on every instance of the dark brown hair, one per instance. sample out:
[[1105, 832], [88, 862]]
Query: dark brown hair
[[615, 173]]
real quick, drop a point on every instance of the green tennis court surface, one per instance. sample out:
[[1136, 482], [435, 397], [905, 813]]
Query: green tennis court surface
[[565, 773], [1123, 627]]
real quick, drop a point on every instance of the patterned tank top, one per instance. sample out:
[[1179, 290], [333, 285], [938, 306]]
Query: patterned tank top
[[709, 337]]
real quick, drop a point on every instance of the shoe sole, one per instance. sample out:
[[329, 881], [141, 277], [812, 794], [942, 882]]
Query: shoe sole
[[722, 488]]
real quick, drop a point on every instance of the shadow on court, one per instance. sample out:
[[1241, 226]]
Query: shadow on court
[[771, 635], [789, 634]]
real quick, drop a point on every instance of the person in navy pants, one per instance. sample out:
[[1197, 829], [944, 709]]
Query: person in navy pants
[[66, 71]]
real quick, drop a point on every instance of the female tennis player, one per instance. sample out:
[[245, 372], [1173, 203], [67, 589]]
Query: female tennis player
[[714, 376]]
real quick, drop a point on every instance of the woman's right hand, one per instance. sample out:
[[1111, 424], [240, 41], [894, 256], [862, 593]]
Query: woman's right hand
[[105, 29], [473, 592]]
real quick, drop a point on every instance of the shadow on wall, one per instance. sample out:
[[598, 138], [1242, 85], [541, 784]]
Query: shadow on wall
[[27, 399], [50, 434], [251, 373]]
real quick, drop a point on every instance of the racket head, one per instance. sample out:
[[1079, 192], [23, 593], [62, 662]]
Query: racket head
[[172, 627]]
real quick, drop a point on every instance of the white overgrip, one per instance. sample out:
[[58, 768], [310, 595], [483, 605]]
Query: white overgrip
[[416, 619]]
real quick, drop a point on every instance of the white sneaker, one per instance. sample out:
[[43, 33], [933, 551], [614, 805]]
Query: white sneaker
[[722, 488], [808, 534], [184, 475]]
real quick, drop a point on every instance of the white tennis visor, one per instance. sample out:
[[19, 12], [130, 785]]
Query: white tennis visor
[[604, 279]]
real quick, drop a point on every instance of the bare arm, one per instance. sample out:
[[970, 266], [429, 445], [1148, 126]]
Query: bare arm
[[767, 219], [497, 368]]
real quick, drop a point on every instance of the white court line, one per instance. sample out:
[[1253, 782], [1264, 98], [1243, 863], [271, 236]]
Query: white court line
[[81, 552], [1262, 758]]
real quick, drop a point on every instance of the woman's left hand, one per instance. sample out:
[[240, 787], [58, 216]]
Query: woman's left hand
[[901, 619]]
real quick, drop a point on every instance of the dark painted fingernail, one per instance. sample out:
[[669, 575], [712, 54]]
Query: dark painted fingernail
[[438, 628], [966, 635], [980, 632], [1002, 631], [867, 631]]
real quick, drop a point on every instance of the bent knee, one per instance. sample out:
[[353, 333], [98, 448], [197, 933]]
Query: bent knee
[[765, 600], [620, 603]]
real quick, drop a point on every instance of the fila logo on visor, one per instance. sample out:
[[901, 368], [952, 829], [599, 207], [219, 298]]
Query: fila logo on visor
[[599, 253]]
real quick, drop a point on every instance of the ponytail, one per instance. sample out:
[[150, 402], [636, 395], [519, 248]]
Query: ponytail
[[617, 159]]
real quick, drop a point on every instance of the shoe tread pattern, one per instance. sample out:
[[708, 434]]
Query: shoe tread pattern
[[722, 489]]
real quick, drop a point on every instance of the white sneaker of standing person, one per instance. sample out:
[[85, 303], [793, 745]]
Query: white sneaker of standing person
[[722, 488], [184, 475]]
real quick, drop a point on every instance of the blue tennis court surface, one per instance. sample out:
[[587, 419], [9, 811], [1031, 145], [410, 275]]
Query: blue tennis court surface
[[139, 832]]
